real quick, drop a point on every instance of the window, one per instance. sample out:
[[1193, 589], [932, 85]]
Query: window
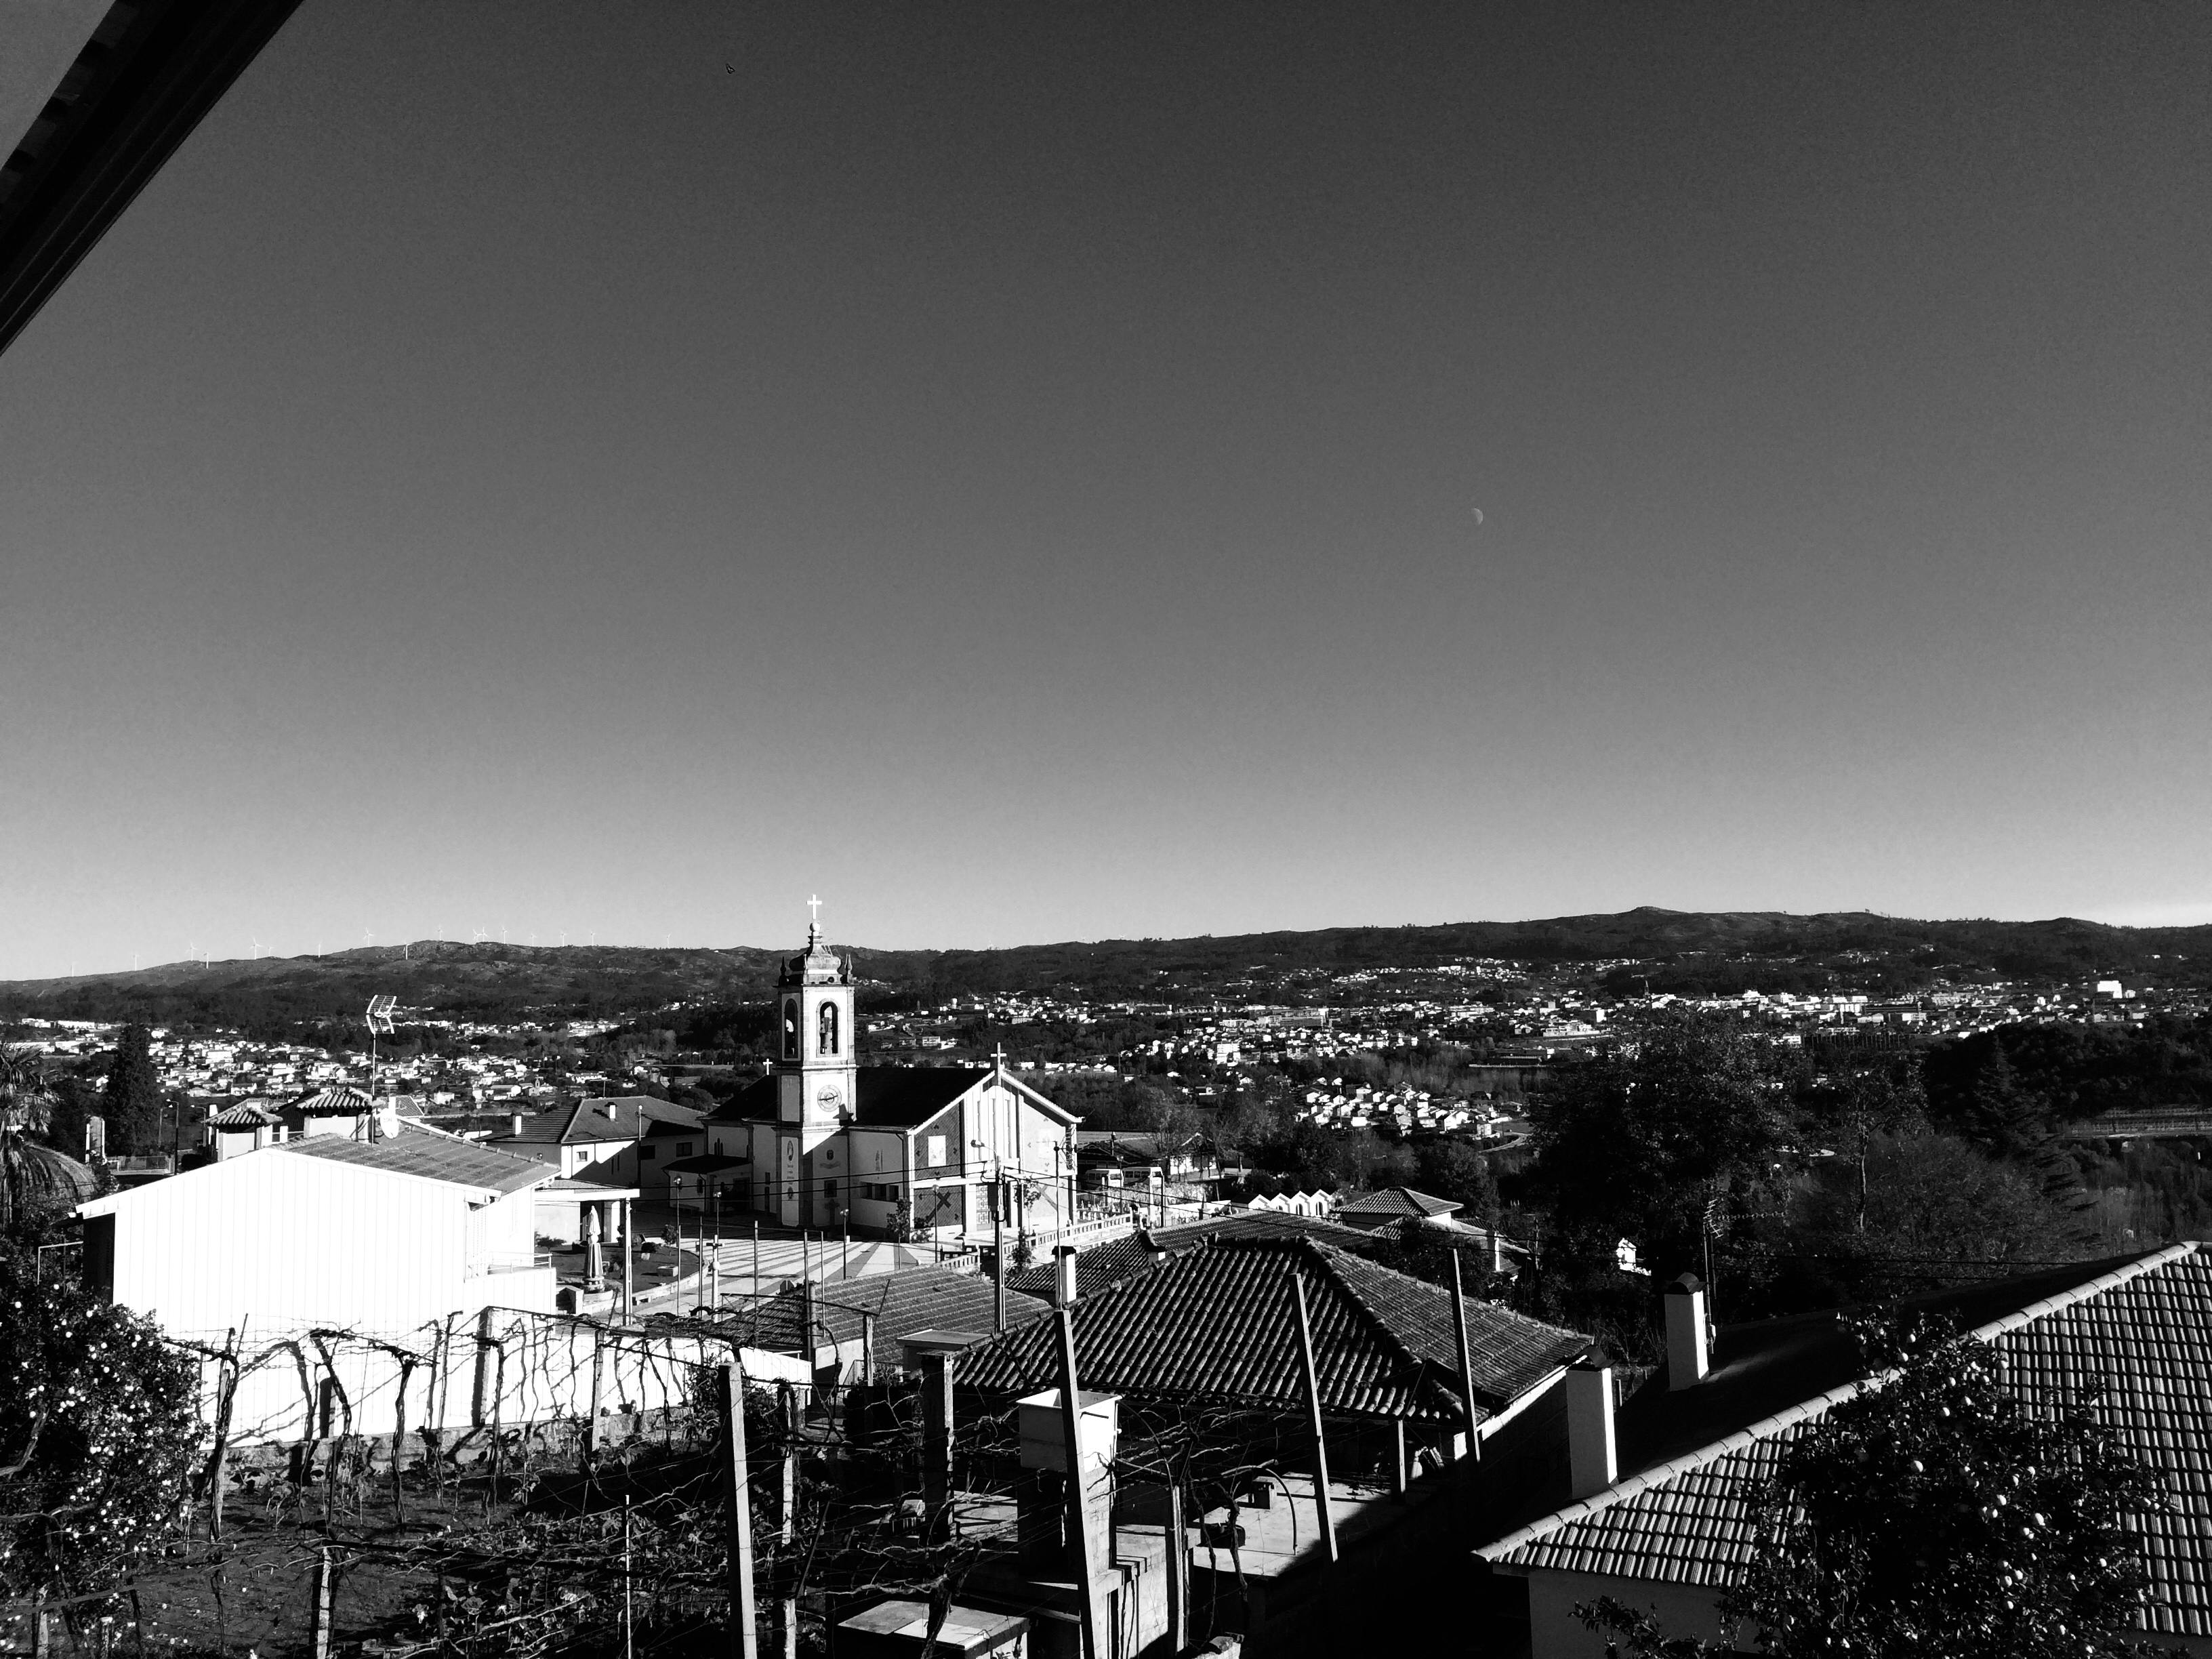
[[883, 1192], [683, 1149], [933, 1151], [791, 1028], [827, 1037], [830, 1191]]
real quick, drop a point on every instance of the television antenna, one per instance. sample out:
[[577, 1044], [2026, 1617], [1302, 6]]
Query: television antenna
[[379, 1019]]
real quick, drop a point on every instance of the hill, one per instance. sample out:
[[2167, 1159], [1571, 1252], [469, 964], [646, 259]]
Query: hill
[[1717, 949]]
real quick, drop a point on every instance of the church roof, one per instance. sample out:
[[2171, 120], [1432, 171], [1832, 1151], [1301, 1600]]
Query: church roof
[[885, 1097]]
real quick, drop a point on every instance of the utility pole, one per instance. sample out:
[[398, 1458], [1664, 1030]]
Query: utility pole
[[737, 1507], [1466, 1358], [1096, 1642], [787, 1514], [937, 1445], [999, 1256], [1313, 1419]]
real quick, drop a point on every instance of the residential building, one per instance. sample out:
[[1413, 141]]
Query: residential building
[[1392, 1205], [1652, 1505]]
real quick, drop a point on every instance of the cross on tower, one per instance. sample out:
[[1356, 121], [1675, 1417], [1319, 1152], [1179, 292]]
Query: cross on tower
[[814, 913], [999, 1056]]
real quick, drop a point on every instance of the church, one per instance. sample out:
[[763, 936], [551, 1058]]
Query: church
[[833, 1144]]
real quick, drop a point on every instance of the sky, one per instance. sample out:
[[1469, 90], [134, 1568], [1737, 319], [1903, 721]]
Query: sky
[[1038, 473]]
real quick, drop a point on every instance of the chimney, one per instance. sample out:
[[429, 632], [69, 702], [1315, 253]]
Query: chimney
[[1593, 1461], [1063, 1275], [1687, 1360]]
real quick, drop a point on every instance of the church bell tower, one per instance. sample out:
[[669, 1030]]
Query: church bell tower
[[814, 1063]]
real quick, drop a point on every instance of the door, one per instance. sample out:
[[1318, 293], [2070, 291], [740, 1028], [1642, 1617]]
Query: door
[[787, 1210]]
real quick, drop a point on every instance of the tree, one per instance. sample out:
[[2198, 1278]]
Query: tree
[[1634, 1145], [99, 1435], [1933, 1210], [1454, 1169], [27, 1094], [131, 1100], [2019, 1544]]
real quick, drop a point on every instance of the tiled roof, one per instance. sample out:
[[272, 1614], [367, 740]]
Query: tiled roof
[[1103, 1264], [335, 1102], [917, 1298], [632, 1117], [1220, 1322], [1118, 1259], [946, 1298], [433, 1156], [1394, 1202], [244, 1114], [1264, 1223], [2142, 1327], [885, 1097]]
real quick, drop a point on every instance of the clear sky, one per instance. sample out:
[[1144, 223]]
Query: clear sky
[[614, 471]]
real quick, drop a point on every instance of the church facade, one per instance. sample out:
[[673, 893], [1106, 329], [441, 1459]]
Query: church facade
[[830, 1143]]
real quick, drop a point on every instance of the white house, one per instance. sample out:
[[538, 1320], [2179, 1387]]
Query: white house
[[349, 1235], [828, 1142]]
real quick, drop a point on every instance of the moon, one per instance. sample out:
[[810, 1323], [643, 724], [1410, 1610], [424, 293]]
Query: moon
[[1477, 515]]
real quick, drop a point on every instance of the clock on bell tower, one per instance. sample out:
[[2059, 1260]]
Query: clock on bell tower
[[815, 1066]]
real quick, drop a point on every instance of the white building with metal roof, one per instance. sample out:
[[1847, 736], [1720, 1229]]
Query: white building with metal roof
[[366, 1236]]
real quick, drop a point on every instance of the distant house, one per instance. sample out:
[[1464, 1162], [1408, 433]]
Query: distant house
[[341, 1111], [1317, 1203], [630, 1137], [1161, 1168], [1651, 1505], [244, 1126], [321, 1231], [1392, 1205]]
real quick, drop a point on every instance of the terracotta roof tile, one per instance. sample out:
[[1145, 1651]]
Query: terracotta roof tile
[[1220, 1322], [2146, 1338]]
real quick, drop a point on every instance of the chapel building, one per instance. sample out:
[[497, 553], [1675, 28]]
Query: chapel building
[[832, 1144]]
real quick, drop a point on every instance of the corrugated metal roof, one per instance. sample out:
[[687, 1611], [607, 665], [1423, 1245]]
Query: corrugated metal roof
[[2146, 1336], [432, 1157], [1220, 1322]]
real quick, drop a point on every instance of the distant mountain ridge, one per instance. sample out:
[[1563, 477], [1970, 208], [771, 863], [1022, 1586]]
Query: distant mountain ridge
[[493, 980]]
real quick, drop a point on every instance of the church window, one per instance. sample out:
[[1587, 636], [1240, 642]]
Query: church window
[[827, 1043], [790, 1028], [933, 1151]]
